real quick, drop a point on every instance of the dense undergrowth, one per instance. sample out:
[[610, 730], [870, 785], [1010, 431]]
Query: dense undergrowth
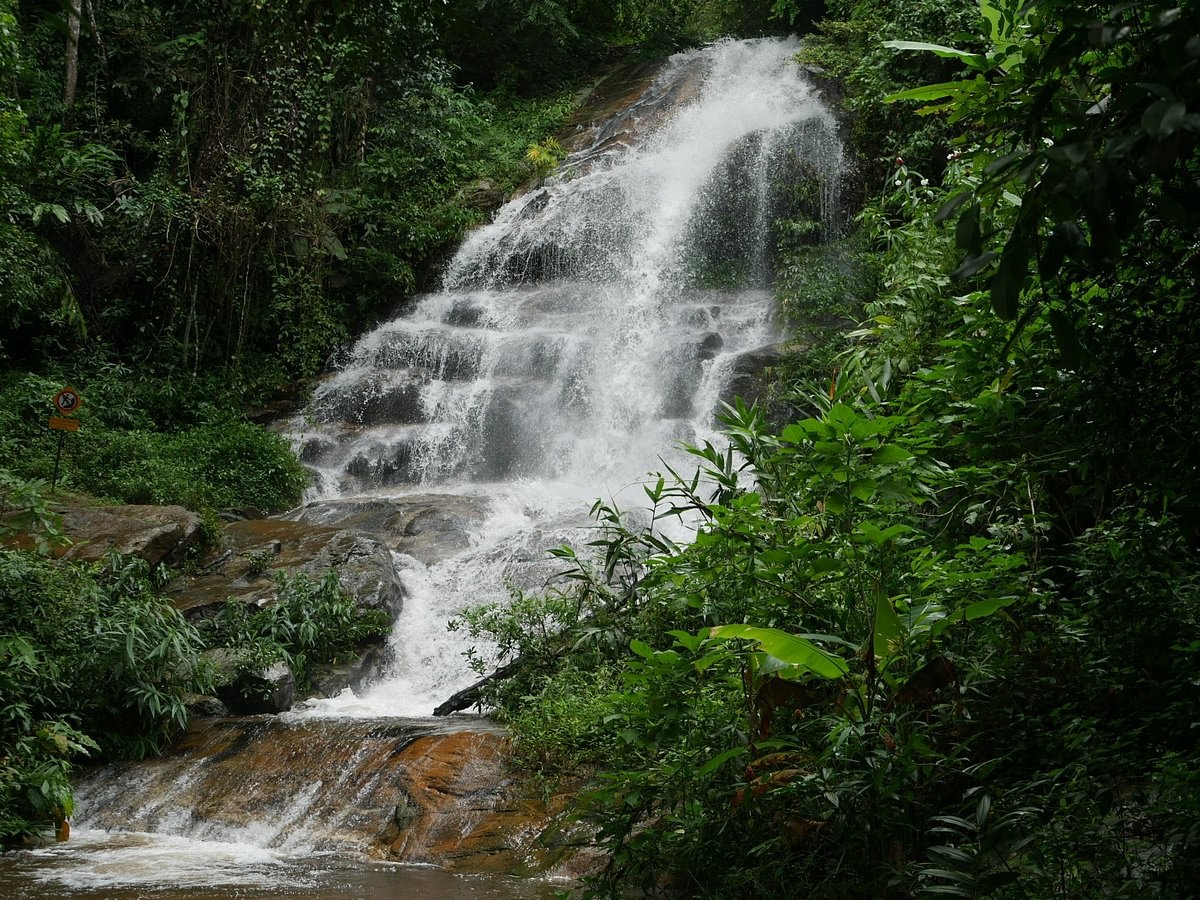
[[938, 634], [96, 665]]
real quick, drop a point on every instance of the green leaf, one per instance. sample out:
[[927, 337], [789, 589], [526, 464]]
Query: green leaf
[[880, 536], [1066, 337], [968, 235], [994, 18], [719, 760], [890, 454], [841, 417], [823, 564], [1066, 239], [983, 608], [973, 265], [688, 641], [1163, 118], [947, 889], [641, 648], [333, 246], [951, 206], [794, 434], [863, 488], [1009, 280], [789, 648], [980, 609], [953, 89], [889, 635], [974, 60]]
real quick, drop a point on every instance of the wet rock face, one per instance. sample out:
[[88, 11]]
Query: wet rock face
[[750, 378], [461, 809], [243, 690], [252, 550], [404, 790], [330, 679], [157, 534], [427, 527]]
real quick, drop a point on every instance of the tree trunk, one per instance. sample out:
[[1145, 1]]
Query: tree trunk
[[470, 696], [72, 77]]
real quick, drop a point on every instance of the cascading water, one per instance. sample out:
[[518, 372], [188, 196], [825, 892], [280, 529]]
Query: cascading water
[[577, 341]]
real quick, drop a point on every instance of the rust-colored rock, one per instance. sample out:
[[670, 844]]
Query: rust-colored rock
[[414, 791], [469, 814]]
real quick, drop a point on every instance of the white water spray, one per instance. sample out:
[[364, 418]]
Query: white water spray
[[577, 341]]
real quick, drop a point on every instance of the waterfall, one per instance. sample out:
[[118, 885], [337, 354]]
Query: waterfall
[[576, 341]]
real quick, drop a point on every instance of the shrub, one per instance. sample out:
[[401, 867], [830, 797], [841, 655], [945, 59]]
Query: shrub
[[311, 621], [117, 454], [217, 466]]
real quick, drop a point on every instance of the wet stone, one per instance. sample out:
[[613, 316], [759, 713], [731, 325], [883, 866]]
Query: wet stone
[[398, 405], [234, 570], [315, 449], [157, 534], [464, 314], [392, 465], [428, 527]]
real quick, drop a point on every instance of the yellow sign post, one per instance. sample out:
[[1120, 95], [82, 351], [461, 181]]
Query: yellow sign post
[[67, 402]]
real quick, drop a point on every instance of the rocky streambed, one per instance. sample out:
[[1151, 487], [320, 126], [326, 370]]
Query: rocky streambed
[[416, 791]]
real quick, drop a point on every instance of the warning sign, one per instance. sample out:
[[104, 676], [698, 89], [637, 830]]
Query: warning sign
[[58, 424], [67, 401]]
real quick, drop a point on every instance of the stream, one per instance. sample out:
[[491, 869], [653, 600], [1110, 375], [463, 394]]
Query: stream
[[577, 341]]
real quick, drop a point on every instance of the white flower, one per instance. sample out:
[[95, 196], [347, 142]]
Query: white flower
[[924, 182], [899, 182]]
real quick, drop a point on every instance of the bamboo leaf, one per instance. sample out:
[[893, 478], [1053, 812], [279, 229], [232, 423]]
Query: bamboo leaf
[[889, 634]]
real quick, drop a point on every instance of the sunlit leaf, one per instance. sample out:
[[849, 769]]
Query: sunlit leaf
[[889, 634], [791, 649], [974, 60]]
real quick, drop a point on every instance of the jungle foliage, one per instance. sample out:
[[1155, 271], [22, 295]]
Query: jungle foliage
[[199, 202], [312, 621], [937, 634], [92, 664], [96, 665]]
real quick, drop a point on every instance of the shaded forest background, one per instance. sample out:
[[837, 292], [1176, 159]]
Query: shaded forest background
[[245, 184]]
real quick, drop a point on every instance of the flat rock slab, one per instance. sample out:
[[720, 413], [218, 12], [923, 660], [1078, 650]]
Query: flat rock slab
[[253, 550], [157, 534], [415, 791], [427, 527]]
